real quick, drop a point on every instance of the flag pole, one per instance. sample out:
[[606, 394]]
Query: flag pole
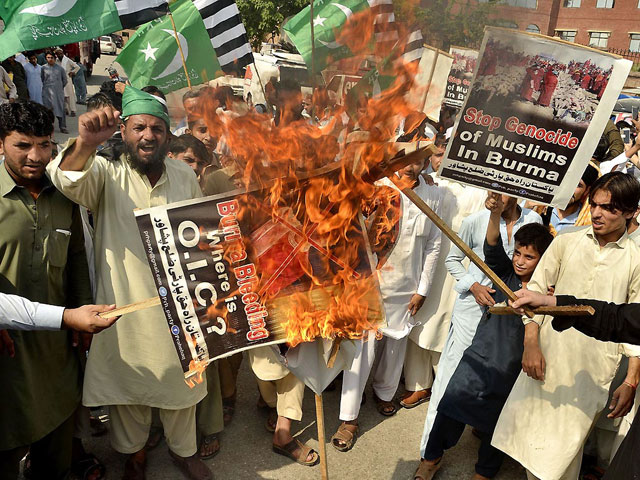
[[184, 63], [313, 62]]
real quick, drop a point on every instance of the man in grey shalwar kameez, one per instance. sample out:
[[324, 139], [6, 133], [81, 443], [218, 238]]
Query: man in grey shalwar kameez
[[53, 81]]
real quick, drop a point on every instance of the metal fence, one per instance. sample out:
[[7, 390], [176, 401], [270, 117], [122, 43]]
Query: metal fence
[[628, 54]]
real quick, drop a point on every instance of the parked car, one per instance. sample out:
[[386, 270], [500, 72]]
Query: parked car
[[107, 45]]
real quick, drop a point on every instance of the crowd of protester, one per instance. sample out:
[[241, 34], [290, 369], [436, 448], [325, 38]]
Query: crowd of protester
[[559, 403]]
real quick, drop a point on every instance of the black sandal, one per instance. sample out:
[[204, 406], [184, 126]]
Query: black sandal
[[205, 442], [388, 409]]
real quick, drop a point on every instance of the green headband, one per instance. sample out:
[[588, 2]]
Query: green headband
[[136, 102]]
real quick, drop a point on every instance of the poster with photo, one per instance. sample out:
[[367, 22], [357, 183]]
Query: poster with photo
[[460, 76], [534, 115], [232, 274]]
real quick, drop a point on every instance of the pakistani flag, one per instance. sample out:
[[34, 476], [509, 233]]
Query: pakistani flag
[[35, 24], [328, 18], [152, 56]]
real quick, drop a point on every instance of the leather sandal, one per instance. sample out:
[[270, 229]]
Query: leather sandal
[[290, 448], [426, 471], [205, 443], [345, 438], [192, 467], [420, 401], [388, 409]]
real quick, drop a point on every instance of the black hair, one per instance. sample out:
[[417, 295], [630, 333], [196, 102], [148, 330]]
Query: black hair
[[624, 190], [184, 142], [25, 116], [76, 58], [589, 176], [108, 87], [535, 235], [287, 85], [190, 94], [98, 100], [153, 90], [441, 140]]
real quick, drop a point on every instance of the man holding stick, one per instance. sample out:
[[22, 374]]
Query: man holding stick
[[43, 259], [132, 366], [566, 378], [609, 323], [474, 290]]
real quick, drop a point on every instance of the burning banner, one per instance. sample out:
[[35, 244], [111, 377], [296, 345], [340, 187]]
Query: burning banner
[[534, 115], [233, 275], [460, 76]]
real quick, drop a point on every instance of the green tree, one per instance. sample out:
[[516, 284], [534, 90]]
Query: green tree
[[263, 18], [445, 23]]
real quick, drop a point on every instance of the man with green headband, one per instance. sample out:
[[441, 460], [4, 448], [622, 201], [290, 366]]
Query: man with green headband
[[133, 366]]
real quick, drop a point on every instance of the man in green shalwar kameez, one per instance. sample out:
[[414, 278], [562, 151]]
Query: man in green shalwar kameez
[[42, 258]]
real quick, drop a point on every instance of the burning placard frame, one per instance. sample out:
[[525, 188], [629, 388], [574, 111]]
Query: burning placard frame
[[472, 155]]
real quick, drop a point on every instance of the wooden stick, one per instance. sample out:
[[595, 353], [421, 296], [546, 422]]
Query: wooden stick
[[335, 348], [132, 307], [457, 241], [184, 63], [324, 470], [566, 311]]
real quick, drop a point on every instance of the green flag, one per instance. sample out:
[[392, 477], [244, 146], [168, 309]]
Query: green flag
[[32, 24], [152, 56], [328, 17]]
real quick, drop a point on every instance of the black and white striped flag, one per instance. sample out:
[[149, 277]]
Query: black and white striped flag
[[227, 33], [414, 47], [136, 12]]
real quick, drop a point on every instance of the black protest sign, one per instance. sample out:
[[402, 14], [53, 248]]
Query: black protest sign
[[533, 117]]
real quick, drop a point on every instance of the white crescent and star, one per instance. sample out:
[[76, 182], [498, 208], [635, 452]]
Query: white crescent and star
[[346, 10], [54, 8], [176, 63]]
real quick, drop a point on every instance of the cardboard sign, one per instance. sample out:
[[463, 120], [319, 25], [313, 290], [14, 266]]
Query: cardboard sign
[[460, 76], [233, 274], [533, 118]]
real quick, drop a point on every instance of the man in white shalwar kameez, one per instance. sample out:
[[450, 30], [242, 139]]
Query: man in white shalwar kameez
[[552, 409], [70, 69], [426, 340], [135, 367], [405, 279], [473, 288]]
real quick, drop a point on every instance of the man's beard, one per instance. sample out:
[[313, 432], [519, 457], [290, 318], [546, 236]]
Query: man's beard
[[145, 167]]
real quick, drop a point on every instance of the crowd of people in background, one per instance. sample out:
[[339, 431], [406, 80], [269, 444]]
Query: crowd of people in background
[[558, 403], [49, 77]]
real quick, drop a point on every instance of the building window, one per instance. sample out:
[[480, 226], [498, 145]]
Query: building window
[[533, 28], [599, 39], [572, 3], [567, 35], [605, 3], [634, 43], [532, 4]]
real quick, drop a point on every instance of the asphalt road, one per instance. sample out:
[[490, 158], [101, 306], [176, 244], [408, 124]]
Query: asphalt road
[[387, 448]]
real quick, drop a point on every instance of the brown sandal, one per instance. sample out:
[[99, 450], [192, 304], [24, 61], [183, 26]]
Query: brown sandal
[[345, 437], [388, 409], [303, 452], [426, 471]]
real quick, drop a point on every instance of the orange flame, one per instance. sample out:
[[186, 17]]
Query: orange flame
[[313, 223]]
